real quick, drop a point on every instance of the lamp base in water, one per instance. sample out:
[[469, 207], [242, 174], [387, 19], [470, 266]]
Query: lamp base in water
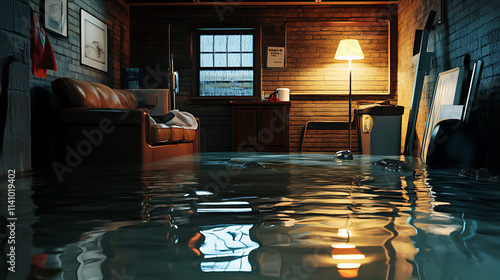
[[343, 155]]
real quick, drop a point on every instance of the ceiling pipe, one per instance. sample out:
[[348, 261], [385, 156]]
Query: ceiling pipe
[[315, 3]]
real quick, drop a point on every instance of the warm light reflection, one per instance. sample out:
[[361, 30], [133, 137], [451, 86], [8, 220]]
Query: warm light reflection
[[343, 253], [348, 265], [346, 252], [348, 256], [349, 273], [343, 246], [192, 243], [344, 232]]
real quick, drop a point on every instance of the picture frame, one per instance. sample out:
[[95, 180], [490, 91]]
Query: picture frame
[[93, 42], [447, 89], [56, 16]]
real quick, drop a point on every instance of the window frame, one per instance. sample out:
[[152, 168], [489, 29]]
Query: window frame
[[257, 61]]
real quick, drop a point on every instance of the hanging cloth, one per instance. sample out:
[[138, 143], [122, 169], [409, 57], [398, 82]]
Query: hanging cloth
[[42, 54]]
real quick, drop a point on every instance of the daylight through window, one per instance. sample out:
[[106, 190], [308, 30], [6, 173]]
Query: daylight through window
[[226, 65]]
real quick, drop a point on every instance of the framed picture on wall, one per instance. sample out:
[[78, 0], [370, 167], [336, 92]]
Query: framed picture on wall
[[94, 42], [56, 16]]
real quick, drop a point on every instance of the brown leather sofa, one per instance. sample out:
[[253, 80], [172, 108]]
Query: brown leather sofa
[[96, 124]]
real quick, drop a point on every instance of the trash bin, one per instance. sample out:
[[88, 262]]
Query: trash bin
[[379, 129]]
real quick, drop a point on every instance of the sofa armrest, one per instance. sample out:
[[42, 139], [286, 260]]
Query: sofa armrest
[[95, 116]]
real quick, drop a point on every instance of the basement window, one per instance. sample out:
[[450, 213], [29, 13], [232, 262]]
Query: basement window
[[228, 63]]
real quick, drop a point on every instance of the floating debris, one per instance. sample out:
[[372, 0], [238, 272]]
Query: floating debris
[[252, 164], [394, 165], [478, 174]]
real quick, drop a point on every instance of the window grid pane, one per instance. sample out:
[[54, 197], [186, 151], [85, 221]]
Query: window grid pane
[[220, 60], [234, 43], [247, 43], [226, 51], [234, 60], [207, 60], [206, 43], [247, 60], [220, 43]]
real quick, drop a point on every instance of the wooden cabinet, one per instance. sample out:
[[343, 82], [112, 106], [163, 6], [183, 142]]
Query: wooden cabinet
[[261, 126]]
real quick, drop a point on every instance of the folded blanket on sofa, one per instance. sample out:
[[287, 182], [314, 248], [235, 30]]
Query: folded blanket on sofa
[[181, 118]]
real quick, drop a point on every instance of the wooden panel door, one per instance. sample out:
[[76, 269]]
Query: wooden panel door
[[272, 132], [245, 127]]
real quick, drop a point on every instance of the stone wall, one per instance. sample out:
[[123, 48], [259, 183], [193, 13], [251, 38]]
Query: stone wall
[[468, 28], [14, 38]]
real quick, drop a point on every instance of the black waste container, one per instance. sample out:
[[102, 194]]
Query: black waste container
[[379, 129]]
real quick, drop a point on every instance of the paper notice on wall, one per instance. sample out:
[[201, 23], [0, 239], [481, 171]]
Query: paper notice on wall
[[275, 57]]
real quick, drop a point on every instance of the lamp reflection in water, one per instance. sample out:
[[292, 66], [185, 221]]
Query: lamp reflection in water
[[346, 255]]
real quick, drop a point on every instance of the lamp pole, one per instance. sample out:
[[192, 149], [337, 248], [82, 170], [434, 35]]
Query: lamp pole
[[348, 49], [350, 101]]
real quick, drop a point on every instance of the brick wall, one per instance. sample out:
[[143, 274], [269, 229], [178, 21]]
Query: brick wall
[[310, 64], [468, 28], [115, 13], [14, 38], [118, 21], [311, 67], [303, 111]]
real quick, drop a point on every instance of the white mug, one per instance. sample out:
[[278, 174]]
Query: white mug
[[283, 94]]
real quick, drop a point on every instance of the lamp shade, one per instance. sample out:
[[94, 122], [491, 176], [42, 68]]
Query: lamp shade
[[349, 49]]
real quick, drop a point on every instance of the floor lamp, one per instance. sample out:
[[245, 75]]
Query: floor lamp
[[349, 49]]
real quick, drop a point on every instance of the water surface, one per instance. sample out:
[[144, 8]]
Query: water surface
[[256, 216]]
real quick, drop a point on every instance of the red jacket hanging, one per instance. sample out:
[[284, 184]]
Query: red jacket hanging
[[42, 54]]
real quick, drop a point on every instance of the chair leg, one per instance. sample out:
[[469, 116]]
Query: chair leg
[[303, 137]]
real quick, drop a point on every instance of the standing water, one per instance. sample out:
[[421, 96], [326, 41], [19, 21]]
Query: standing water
[[253, 216]]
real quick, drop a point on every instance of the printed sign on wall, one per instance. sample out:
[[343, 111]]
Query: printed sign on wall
[[275, 57]]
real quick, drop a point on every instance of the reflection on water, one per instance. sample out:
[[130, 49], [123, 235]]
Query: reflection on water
[[226, 248], [90, 258], [262, 216]]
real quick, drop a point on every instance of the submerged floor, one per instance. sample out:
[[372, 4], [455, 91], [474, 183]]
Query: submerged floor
[[254, 216]]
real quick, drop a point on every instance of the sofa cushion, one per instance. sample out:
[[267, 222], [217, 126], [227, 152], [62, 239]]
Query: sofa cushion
[[74, 93], [176, 133], [127, 98], [107, 97], [160, 133], [189, 135]]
